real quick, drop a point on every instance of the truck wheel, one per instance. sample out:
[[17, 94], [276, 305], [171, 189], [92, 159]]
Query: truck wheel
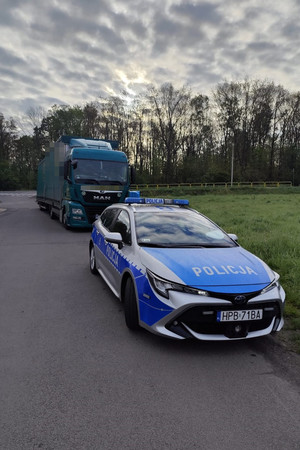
[[42, 207], [130, 306], [93, 266], [65, 220]]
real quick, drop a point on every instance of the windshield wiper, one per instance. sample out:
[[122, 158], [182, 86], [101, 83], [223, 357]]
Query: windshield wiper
[[187, 245], [217, 245], [152, 244]]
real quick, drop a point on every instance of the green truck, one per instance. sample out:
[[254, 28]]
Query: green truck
[[80, 177]]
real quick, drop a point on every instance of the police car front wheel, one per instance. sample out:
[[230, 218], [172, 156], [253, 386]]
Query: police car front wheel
[[93, 267], [130, 306]]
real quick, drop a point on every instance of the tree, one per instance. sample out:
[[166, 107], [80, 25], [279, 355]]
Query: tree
[[169, 107], [7, 137], [62, 119], [112, 118], [172, 136], [198, 151], [24, 161], [90, 123]]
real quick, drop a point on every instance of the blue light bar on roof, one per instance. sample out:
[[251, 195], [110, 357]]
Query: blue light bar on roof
[[180, 201], [154, 201], [157, 201], [134, 200]]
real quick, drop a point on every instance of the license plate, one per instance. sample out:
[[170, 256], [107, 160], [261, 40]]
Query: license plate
[[239, 316]]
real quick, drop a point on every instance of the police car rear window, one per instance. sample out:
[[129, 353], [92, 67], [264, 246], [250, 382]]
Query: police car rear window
[[170, 229]]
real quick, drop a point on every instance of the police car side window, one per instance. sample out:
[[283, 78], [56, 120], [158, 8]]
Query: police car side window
[[122, 225], [107, 218]]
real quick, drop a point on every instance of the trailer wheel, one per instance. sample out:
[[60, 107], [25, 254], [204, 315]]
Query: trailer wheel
[[42, 207]]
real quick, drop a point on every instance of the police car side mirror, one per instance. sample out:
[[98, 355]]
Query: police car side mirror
[[114, 238], [233, 237]]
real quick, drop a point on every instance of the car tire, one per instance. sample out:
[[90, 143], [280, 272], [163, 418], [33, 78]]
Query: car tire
[[130, 306], [93, 265]]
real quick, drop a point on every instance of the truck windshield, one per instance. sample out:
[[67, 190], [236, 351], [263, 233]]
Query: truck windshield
[[100, 172]]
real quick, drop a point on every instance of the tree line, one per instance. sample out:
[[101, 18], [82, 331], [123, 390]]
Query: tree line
[[172, 135]]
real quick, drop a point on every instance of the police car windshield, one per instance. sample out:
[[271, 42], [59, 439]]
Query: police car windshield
[[178, 229]]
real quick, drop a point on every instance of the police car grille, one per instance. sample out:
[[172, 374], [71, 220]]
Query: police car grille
[[203, 319], [231, 297]]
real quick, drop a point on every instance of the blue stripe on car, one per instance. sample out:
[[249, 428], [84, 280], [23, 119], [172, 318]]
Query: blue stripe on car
[[150, 307]]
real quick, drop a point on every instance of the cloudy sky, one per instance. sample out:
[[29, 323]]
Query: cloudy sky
[[73, 51]]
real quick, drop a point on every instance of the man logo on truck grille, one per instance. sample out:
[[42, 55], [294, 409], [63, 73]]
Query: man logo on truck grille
[[102, 197]]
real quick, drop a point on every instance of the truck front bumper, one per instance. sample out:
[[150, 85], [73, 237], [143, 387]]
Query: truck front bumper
[[79, 216], [75, 215]]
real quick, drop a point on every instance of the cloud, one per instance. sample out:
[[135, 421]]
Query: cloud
[[199, 13], [74, 51]]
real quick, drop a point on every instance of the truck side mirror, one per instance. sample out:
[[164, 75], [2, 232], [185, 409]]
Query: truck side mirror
[[67, 171]]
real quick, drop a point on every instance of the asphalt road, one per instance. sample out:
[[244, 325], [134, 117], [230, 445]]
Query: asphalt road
[[72, 376]]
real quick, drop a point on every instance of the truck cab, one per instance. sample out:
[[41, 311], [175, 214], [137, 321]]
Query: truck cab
[[80, 177]]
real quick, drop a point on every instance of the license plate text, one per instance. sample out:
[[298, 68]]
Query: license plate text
[[237, 316]]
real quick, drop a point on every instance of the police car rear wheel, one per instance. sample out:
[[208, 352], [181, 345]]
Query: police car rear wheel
[[130, 306], [93, 261]]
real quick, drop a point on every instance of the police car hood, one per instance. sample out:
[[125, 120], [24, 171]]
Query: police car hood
[[231, 269]]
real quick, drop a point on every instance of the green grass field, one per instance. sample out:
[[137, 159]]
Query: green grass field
[[267, 223]]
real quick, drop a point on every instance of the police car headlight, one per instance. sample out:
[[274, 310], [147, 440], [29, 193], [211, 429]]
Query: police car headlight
[[163, 287], [77, 211], [275, 283]]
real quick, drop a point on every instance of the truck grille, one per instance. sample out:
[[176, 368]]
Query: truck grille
[[98, 197]]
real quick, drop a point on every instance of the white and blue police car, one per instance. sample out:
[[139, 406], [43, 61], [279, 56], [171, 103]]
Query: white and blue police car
[[180, 275]]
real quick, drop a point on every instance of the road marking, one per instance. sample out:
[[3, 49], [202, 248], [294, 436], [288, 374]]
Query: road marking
[[17, 194]]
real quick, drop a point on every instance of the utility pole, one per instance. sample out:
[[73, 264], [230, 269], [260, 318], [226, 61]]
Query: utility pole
[[232, 159]]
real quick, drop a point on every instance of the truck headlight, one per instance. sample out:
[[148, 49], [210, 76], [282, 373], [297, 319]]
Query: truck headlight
[[77, 211]]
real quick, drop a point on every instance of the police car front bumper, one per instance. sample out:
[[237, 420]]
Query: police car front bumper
[[201, 319]]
